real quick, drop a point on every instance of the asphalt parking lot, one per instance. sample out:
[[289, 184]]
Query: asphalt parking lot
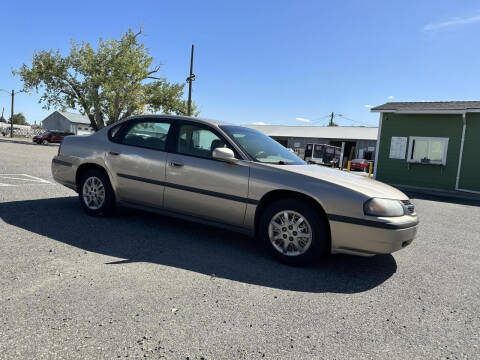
[[140, 285]]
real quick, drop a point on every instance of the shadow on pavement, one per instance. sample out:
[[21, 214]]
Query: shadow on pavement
[[136, 236]]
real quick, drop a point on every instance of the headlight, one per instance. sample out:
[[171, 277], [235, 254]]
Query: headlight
[[383, 207]]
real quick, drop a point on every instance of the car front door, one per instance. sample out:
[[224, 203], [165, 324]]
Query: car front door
[[136, 159], [198, 184]]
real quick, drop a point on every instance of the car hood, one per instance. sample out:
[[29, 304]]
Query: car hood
[[358, 183]]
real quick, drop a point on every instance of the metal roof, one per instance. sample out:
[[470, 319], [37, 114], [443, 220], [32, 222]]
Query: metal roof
[[75, 117], [320, 132], [424, 106]]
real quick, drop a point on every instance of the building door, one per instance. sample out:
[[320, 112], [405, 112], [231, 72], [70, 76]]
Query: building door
[[368, 155], [470, 169]]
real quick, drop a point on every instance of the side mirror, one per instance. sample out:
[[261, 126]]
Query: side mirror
[[224, 154]]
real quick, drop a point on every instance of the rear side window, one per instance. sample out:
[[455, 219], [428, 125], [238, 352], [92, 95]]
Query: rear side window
[[148, 134], [114, 132]]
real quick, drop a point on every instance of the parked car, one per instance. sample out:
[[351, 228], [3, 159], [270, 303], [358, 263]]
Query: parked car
[[359, 164], [237, 178], [51, 137]]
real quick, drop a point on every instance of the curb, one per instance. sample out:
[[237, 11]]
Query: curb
[[445, 194]]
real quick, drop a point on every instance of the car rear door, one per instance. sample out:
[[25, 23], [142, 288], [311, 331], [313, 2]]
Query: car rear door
[[199, 185], [59, 138], [136, 159], [52, 137]]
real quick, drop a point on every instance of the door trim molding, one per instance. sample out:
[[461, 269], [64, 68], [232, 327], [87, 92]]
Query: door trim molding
[[190, 189], [457, 180]]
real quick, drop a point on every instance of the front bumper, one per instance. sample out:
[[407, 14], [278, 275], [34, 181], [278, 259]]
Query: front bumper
[[367, 240]]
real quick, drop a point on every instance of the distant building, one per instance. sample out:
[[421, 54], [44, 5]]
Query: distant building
[[355, 141], [429, 145], [73, 122]]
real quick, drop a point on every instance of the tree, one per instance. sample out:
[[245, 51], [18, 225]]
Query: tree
[[107, 84], [18, 119]]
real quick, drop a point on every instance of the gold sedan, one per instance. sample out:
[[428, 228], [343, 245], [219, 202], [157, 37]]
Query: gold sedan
[[238, 178]]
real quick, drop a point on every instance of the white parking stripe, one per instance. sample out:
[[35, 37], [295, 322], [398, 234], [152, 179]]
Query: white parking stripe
[[22, 179], [37, 179]]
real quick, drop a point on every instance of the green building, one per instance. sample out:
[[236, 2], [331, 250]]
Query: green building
[[433, 145]]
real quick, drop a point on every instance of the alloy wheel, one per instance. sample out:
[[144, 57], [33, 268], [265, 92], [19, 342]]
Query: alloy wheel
[[93, 193], [290, 233]]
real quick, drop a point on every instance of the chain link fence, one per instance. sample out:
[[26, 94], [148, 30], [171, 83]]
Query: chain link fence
[[20, 130]]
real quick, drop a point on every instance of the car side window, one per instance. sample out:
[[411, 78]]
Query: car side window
[[148, 134], [114, 133], [198, 141]]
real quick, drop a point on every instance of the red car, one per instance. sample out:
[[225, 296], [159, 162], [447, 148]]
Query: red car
[[359, 164], [51, 137]]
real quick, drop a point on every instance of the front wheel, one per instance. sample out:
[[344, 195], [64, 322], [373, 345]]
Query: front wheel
[[96, 193], [45, 142], [294, 232]]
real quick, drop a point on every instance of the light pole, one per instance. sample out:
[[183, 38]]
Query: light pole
[[13, 102]]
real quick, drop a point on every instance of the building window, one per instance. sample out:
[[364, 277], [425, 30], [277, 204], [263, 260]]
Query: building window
[[427, 150]]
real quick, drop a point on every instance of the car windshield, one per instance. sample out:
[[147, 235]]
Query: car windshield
[[260, 147], [45, 133]]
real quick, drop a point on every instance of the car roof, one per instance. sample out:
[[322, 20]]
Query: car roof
[[179, 117]]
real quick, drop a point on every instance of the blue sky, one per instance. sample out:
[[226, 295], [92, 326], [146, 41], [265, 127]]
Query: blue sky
[[270, 61]]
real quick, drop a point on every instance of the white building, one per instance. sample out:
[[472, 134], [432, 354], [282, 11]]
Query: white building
[[355, 141], [66, 121]]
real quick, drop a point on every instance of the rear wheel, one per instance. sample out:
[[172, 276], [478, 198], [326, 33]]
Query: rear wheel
[[96, 193], [294, 232]]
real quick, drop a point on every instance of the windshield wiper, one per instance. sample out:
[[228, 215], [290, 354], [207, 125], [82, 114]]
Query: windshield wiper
[[281, 162]]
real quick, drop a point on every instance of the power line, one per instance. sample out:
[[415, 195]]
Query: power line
[[332, 116], [320, 118], [355, 121]]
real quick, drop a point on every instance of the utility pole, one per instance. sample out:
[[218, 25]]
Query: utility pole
[[190, 79], [332, 115], [11, 118], [13, 103]]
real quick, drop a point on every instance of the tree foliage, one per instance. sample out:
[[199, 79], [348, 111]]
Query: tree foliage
[[109, 83], [18, 119]]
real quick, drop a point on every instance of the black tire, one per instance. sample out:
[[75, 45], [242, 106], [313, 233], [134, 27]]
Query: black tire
[[319, 246], [108, 205], [45, 142]]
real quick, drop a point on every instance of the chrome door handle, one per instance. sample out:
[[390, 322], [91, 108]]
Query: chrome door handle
[[114, 153], [175, 164]]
